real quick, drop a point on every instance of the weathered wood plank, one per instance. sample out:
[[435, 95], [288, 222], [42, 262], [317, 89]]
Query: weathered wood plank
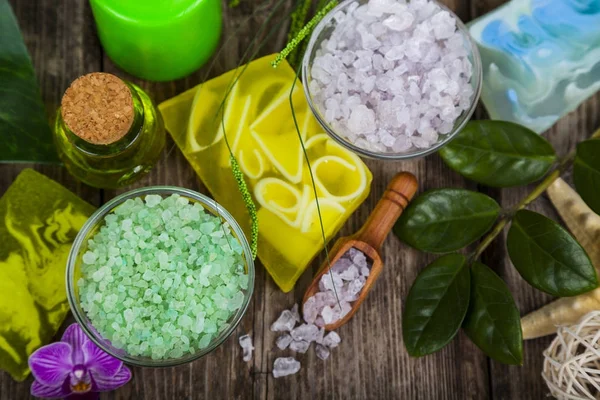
[[371, 361]]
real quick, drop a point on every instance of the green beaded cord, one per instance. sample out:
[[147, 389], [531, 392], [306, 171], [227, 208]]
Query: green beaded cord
[[239, 178], [303, 33], [298, 17]]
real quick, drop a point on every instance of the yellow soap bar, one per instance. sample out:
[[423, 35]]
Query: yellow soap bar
[[257, 124]]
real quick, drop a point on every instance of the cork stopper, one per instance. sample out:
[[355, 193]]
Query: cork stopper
[[98, 107]]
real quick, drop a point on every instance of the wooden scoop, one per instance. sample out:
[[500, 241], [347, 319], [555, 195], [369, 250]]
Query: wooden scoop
[[370, 238]]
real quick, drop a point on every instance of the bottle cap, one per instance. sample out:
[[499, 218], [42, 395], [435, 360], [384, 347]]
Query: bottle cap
[[98, 107]]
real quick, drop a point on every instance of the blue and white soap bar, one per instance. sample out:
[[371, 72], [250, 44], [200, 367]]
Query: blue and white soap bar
[[541, 59]]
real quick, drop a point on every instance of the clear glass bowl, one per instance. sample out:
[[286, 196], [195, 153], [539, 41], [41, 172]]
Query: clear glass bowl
[[323, 31], [80, 247]]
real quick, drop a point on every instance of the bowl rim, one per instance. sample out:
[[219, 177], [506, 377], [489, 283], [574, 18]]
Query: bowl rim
[[96, 218], [461, 120]]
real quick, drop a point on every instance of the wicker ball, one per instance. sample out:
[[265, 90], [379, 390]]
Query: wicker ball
[[572, 361]]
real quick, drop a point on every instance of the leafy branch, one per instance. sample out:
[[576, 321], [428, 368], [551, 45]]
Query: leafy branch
[[459, 291]]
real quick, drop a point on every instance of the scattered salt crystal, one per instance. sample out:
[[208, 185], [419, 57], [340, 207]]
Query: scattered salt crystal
[[299, 346], [284, 366], [247, 347], [285, 322], [306, 332], [295, 313], [331, 340], [284, 341], [322, 352], [320, 336]]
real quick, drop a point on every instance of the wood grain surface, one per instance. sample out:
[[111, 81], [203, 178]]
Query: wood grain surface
[[371, 362]]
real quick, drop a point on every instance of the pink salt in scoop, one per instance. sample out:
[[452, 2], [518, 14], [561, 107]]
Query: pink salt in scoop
[[367, 241]]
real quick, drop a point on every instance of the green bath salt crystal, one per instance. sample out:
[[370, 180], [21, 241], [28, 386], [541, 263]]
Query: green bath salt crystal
[[162, 277]]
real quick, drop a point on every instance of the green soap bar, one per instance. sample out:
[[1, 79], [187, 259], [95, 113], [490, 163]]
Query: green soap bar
[[40, 220], [158, 40]]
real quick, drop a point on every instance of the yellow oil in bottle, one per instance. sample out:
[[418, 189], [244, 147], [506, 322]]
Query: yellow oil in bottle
[[121, 162]]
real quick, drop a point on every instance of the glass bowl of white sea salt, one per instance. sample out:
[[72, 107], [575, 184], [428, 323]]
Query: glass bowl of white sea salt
[[160, 276], [392, 79]]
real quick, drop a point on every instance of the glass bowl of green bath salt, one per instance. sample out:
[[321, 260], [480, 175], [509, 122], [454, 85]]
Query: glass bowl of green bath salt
[[160, 276]]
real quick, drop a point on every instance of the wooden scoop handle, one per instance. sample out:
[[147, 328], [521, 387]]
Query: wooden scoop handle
[[398, 194]]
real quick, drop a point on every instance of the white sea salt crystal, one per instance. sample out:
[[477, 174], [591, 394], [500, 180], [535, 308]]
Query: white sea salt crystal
[[365, 271], [399, 22], [247, 347], [283, 341], [444, 25], [420, 142], [359, 259], [356, 286], [322, 352], [320, 336], [319, 322], [362, 120], [306, 332], [341, 265], [285, 322], [329, 281], [349, 274], [299, 346], [310, 310], [284, 366], [332, 339], [326, 298], [330, 315], [401, 144], [368, 84], [395, 53], [295, 313]]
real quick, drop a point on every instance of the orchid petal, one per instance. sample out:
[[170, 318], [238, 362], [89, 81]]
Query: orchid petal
[[48, 392], [75, 336], [99, 363], [104, 384], [51, 364]]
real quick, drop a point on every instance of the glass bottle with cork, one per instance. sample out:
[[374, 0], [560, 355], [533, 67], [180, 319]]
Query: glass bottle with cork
[[108, 132]]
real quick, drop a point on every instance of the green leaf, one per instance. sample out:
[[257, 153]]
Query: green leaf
[[499, 154], [436, 305], [24, 129], [445, 220], [586, 173], [493, 322], [548, 257]]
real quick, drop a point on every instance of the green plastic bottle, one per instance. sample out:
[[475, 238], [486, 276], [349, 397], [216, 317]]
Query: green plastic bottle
[[158, 40]]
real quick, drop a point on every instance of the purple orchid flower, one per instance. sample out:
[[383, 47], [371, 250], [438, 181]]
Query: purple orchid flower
[[75, 368]]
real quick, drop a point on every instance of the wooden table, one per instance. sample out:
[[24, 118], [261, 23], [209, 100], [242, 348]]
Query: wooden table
[[371, 362]]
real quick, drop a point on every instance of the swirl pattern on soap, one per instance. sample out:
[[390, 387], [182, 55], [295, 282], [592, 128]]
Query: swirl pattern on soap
[[541, 59]]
